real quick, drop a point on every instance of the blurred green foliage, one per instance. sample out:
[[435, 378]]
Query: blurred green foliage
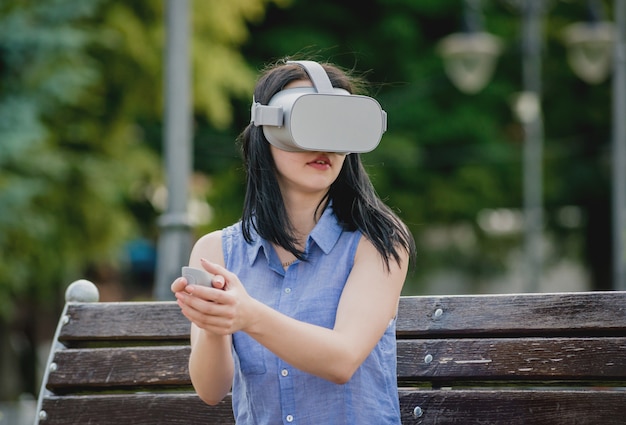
[[81, 104], [62, 181]]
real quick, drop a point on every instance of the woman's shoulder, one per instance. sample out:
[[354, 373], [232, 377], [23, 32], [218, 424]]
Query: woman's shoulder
[[215, 244], [217, 237], [211, 238], [208, 246]]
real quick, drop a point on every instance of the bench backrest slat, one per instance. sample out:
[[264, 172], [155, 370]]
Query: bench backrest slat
[[136, 409], [513, 359], [125, 321], [603, 312], [531, 314], [592, 359], [105, 368], [530, 407], [441, 407]]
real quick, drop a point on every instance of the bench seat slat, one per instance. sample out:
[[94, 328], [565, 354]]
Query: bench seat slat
[[136, 409], [526, 314], [542, 407]]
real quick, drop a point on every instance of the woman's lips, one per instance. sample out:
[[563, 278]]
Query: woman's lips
[[320, 163]]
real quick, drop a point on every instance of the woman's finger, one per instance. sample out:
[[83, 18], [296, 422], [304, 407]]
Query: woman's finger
[[218, 270], [178, 284]]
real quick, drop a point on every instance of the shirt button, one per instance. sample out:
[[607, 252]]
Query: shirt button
[[284, 372], [289, 418], [287, 290]]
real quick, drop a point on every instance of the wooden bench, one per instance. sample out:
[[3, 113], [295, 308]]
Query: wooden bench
[[544, 359]]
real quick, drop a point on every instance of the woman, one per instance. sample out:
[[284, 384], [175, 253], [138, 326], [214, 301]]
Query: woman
[[300, 318]]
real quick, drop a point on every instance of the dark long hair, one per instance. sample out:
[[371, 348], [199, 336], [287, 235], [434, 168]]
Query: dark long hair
[[354, 199]]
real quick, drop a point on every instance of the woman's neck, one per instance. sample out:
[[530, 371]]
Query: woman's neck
[[303, 212]]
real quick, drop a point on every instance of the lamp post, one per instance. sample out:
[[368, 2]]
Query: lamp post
[[590, 57], [592, 45], [527, 107], [619, 147], [532, 30], [175, 228]]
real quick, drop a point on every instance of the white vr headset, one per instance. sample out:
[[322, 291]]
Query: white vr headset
[[320, 118]]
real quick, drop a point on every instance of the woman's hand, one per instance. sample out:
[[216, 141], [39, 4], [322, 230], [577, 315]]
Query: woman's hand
[[222, 309]]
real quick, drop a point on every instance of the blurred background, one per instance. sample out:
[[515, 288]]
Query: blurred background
[[500, 152]]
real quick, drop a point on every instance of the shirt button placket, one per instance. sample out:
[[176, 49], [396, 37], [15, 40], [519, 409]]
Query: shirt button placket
[[286, 384], [286, 388]]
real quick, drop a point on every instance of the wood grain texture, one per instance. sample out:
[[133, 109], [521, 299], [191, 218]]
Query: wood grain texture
[[587, 313], [418, 360], [136, 409], [536, 314], [125, 321], [471, 407], [106, 368], [512, 359], [539, 359]]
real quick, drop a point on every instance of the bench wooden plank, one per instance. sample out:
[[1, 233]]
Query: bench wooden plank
[[597, 359], [525, 359], [125, 321], [544, 407], [437, 407], [136, 409], [105, 368], [531, 314], [534, 314]]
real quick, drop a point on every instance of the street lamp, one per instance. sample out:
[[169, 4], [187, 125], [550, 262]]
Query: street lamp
[[470, 59], [527, 107], [590, 58], [590, 46], [470, 56], [619, 147], [589, 50]]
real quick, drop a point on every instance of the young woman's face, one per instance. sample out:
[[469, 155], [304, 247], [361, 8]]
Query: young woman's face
[[306, 171]]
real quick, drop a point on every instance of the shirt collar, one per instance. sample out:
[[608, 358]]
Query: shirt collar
[[325, 234]]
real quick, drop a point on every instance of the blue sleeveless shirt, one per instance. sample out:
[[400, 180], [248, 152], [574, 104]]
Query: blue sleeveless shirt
[[267, 390]]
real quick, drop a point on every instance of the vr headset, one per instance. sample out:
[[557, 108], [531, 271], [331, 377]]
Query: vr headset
[[320, 118]]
